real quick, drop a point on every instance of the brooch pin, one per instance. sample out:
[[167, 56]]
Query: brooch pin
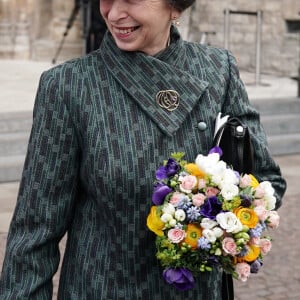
[[168, 99]]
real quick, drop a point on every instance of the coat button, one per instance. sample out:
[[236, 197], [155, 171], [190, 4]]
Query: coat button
[[202, 126], [240, 129]]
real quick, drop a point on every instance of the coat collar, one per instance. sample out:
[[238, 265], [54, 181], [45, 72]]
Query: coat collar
[[144, 76]]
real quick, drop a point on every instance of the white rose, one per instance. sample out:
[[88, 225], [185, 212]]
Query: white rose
[[229, 222], [207, 223], [270, 202], [267, 187], [168, 209], [229, 191], [180, 215], [210, 235]]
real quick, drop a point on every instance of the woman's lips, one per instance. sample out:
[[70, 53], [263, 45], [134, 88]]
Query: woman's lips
[[125, 30]]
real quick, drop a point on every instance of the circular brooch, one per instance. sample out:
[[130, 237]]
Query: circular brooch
[[168, 99]]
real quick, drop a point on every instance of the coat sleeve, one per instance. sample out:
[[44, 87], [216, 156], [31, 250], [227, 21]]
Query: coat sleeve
[[46, 198], [237, 104]]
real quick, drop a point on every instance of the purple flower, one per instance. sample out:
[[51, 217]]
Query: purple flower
[[203, 243], [170, 169], [246, 200], [255, 266], [257, 231], [211, 207], [184, 203], [216, 149], [181, 278], [193, 213], [161, 190]]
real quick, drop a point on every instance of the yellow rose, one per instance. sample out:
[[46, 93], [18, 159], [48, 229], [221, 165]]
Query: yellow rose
[[247, 216], [154, 223], [194, 170]]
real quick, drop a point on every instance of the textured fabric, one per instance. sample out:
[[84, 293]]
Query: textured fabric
[[97, 138]]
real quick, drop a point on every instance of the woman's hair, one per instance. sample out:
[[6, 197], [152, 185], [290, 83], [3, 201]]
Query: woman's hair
[[181, 5]]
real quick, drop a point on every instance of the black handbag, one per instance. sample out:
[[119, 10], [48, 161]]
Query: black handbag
[[233, 138]]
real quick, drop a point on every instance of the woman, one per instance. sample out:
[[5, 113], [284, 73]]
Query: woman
[[98, 136]]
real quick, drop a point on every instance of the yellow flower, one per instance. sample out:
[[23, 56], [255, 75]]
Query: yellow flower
[[247, 216], [252, 254], [254, 181], [154, 222], [194, 170], [193, 233]]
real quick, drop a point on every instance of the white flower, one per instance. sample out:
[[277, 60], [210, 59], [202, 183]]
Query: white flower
[[231, 177], [223, 176], [229, 222], [210, 235], [166, 218], [218, 231], [168, 209], [218, 172], [229, 191], [207, 163], [267, 186], [172, 223], [270, 202], [180, 215], [207, 223], [269, 198]]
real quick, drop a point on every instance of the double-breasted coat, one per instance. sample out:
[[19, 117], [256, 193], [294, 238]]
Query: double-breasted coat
[[98, 136]]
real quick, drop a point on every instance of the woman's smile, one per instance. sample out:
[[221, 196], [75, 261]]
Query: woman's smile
[[124, 32]]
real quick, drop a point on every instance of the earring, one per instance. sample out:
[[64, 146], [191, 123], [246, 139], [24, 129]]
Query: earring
[[175, 21]]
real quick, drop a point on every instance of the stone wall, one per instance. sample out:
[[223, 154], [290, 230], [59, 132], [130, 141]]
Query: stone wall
[[279, 44], [34, 29]]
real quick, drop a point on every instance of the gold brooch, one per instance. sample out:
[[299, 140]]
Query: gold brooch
[[168, 99]]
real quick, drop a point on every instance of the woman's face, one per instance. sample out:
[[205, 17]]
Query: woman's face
[[139, 25]]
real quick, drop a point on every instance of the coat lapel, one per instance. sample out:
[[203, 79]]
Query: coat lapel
[[144, 76]]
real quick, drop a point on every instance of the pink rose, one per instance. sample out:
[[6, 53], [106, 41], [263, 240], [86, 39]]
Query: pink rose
[[229, 246], [201, 184], [198, 199], [265, 246], [261, 212], [243, 271], [259, 192], [259, 202], [273, 219], [245, 181], [174, 200], [188, 183], [255, 241], [176, 235], [211, 192]]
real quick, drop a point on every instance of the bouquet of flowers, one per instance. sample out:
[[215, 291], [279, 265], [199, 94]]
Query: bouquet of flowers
[[207, 215]]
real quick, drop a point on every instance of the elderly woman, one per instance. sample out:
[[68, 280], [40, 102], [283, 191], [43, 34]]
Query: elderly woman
[[99, 132]]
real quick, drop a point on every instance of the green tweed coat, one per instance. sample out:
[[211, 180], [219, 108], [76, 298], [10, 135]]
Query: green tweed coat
[[97, 138]]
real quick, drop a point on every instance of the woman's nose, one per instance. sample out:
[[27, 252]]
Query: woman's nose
[[117, 10]]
